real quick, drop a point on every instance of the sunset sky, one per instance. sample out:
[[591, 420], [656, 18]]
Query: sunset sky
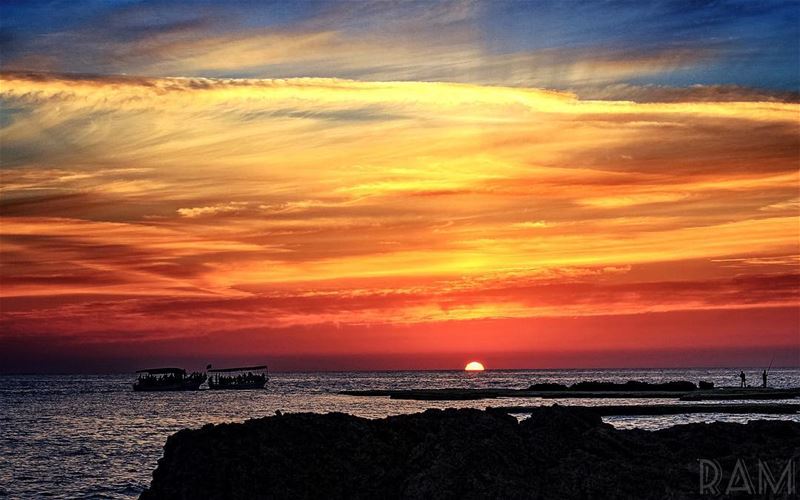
[[388, 185]]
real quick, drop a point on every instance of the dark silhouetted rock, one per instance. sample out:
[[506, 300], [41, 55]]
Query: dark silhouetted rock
[[685, 391], [558, 453], [634, 385], [547, 386]]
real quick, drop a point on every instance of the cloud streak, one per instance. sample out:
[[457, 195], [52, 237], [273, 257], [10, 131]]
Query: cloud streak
[[640, 51], [306, 203]]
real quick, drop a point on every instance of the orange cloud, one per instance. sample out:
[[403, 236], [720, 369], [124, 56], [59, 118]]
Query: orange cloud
[[178, 204]]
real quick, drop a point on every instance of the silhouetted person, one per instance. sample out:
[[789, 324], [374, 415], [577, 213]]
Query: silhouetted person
[[741, 376], [764, 379]]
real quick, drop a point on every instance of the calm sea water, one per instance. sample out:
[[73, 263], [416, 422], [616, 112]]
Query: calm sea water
[[91, 436]]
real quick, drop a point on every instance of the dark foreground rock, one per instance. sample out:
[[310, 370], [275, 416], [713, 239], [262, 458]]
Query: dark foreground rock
[[558, 453]]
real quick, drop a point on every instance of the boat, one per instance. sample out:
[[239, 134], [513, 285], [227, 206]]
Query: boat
[[168, 379], [243, 377]]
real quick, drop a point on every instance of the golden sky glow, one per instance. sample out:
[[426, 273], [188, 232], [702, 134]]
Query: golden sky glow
[[300, 182], [310, 201]]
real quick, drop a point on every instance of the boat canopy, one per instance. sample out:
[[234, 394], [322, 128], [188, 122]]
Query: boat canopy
[[239, 369], [161, 371]]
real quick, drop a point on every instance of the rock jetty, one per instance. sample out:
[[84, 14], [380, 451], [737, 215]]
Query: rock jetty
[[557, 453], [679, 390]]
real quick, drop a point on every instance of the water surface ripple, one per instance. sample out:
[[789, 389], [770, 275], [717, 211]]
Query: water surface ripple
[[91, 436]]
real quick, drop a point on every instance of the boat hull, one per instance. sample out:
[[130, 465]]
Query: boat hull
[[237, 387], [193, 385]]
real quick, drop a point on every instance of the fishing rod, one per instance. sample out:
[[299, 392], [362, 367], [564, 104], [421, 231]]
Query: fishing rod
[[766, 372]]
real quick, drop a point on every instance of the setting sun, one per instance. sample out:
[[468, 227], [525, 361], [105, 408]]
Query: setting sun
[[474, 366], [348, 202]]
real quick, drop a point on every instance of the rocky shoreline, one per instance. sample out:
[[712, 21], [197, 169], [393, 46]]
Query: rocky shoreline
[[673, 409], [557, 453], [679, 390]]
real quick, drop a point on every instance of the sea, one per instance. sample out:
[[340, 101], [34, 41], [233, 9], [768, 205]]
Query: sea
[[91, 436]]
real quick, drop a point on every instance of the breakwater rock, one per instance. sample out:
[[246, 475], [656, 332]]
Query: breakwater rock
[[557, 453], [630, 386]]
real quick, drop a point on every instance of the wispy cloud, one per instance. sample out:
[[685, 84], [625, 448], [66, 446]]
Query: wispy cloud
[[613, 50], [322, 203], [221, 208]]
